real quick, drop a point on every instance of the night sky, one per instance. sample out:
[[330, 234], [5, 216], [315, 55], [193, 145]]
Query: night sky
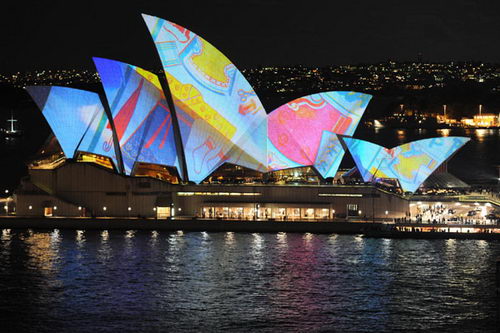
[[66, 34]]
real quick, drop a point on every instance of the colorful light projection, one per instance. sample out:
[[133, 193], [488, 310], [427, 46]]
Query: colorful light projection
[[329, 156], [140, 112], [410, 163], [77, 119], [215, 104], [298, 132]]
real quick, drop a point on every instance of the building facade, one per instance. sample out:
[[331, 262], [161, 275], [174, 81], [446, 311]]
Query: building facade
[[76, 189]]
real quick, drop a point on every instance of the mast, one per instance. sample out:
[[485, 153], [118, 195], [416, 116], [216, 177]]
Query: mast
[[12, 120]]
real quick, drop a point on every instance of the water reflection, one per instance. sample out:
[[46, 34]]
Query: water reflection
[[308, 237], [451, 246], [257, 255], [55, 238], [359, 240], [6, 234], [444, 132], [104, 249], [42, 251], [480, 134], [80, 237], [247, 282], [229, 238], [176, 241], [387, 248], [401, 135], [281, 239], [482, 244], [258, 242]]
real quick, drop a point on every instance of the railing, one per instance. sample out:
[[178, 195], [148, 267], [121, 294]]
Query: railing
[[473, 197]]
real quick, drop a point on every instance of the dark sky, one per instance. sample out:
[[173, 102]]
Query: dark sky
[[66, 34]]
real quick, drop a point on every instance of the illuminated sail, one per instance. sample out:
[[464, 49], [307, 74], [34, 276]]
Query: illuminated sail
[[215, 104], [75, 117], [410, 163], [330, 154], [298, 131], [140, 112]]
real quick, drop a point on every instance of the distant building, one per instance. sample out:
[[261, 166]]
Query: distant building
[[482, 120]]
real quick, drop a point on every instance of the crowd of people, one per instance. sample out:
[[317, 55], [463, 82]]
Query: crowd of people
[[442, 214]]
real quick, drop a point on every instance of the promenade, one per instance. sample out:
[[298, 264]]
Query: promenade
[[366, 228]]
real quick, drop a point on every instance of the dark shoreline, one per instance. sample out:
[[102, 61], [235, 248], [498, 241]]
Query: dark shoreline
[[185, 225], [367, 229]]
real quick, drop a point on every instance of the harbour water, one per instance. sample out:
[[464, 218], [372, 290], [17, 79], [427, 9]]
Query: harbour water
[[126, 281]]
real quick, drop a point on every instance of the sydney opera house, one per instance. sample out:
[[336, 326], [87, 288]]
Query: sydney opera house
[[198, 142]]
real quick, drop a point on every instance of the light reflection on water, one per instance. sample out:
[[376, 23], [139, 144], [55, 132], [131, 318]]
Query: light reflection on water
[[138, 280], [80, 237], [281, 240], [5, 235], [444, 132], [229, 237]]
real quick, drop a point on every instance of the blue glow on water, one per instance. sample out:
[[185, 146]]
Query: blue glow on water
[[143, 280]]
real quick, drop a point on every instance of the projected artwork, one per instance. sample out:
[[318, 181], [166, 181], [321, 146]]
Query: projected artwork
[[77, 119], [140, 112], [295, 129], [410, 163], [221, 120], [215, 104], [330, 154]]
